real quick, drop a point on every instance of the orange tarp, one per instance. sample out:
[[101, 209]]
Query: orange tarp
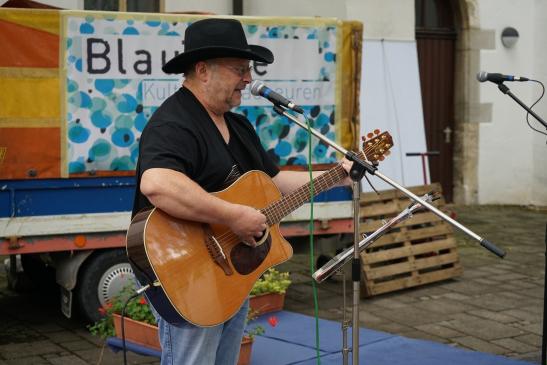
[[23, 46], [30, 149], [30, 113]]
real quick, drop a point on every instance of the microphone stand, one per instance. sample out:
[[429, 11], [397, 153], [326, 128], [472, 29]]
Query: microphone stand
[[543, 340], [504, 89], [359, 167]]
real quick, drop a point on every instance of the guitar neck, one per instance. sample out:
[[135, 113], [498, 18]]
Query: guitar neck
[[289, 203]]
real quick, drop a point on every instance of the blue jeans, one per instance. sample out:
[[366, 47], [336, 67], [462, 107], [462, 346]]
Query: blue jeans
[[192, 345]]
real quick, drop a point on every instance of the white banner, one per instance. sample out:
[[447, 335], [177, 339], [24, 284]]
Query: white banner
[[114, 83]]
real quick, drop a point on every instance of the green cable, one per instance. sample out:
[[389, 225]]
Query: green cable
[[312, 261]]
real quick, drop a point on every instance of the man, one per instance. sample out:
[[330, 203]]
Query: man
[[194, 145]]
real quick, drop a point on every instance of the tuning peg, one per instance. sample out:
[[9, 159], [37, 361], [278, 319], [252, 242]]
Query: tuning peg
[[381, 158], [387, 153], [376, 131], [370, 135]]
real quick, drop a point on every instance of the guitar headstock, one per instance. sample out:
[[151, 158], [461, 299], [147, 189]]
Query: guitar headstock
[[376, 145]]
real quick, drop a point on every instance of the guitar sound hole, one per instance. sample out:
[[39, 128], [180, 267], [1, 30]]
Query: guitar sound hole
[[246, 259]]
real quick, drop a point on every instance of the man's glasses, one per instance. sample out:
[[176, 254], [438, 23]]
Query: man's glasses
[[240, 70]]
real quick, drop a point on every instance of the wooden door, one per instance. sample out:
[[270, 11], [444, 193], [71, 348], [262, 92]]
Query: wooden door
[[436, 39]]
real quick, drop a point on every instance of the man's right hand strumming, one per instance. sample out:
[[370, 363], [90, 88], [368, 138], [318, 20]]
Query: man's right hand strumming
[[247, 223]]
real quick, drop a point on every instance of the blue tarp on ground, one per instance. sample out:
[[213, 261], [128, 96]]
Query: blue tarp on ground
[[292, 341]]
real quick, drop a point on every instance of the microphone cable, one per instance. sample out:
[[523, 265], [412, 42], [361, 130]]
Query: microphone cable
[[537, 101], [133, 296], [312, 254]]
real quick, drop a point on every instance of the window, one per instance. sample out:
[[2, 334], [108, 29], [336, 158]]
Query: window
[[434, 14]]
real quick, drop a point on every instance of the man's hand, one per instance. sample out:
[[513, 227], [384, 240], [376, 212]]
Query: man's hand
[[247, 223], [346, 164]]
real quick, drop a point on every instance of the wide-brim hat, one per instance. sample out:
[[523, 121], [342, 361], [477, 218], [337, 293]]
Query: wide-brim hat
[[215, 38]]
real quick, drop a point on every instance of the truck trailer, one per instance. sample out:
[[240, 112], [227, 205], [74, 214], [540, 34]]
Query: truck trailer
[[77, 87]]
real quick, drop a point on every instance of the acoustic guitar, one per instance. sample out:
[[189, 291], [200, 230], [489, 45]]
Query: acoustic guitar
[[203, 273]]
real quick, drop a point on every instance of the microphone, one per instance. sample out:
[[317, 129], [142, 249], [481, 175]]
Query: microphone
[[259, 89], [498, 78]]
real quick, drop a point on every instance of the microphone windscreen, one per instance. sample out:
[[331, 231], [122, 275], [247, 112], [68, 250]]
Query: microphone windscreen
[[482, 76], [255, 87]]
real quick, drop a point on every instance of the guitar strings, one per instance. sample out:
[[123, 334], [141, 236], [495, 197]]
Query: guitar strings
[[226, 239], [276, 209]]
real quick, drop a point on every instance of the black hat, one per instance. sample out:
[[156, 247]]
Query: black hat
[[215, 38]]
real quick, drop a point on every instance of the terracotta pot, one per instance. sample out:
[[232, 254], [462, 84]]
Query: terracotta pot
[[147, 335], [137, 332], [245, 351], [265, 303]]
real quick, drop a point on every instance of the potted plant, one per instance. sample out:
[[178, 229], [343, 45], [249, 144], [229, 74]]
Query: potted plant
[[268, 293], [248, 338], [140, 324]]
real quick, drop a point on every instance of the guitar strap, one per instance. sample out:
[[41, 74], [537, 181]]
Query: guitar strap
[[234, 174]]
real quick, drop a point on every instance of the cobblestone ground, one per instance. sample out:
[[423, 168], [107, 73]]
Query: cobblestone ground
[[496, 306]]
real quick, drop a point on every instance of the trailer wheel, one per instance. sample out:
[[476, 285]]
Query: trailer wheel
[[103, 275]]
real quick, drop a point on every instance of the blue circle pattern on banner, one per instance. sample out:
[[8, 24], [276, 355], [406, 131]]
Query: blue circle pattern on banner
[[105, 116]]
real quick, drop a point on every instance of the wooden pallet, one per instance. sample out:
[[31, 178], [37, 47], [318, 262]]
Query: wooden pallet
[[417, 251]]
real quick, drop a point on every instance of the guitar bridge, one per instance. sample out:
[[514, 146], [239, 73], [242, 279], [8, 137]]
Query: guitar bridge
[[217, 253]]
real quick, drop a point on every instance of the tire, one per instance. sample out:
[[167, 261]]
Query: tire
[[101, 277]]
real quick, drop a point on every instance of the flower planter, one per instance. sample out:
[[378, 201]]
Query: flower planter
[[145, 334], [266, 303], [137, 332], [245, 351]]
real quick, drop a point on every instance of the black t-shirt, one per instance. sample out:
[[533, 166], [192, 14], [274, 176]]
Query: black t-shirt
[[181, 136]]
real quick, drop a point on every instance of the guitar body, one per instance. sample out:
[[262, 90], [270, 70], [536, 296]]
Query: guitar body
[[175, 253]]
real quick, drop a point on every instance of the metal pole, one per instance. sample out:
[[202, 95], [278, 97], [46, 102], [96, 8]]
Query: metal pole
[[345, 324], [356, 272], [543, 339]]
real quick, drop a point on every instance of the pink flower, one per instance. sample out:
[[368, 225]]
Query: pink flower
[[273, 321]]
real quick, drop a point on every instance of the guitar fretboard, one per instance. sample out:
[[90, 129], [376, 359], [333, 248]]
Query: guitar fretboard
[[281, 208], [276, 211]]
